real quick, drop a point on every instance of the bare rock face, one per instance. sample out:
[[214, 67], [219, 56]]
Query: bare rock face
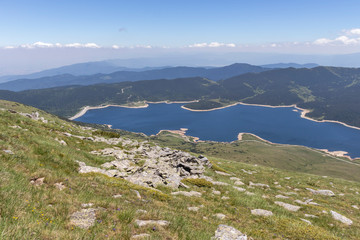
[[341, 218], [224, 232], [84, 218]]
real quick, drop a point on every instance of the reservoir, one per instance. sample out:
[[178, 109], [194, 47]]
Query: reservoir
[[279, 125]]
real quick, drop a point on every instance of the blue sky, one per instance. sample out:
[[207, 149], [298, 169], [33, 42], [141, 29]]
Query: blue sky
[[174, 23], [40, 34]]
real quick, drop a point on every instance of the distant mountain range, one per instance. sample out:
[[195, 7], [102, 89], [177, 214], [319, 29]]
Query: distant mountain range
[[121, 76], [330, 93], [287, 65]]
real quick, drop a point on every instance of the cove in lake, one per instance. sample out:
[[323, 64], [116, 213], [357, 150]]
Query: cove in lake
[[278, 125]]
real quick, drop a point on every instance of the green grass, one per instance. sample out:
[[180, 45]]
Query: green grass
[[43, 212]]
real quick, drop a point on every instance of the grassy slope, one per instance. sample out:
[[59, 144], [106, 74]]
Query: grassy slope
[[29, 212]]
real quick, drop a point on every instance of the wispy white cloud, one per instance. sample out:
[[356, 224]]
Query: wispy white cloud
[[350, 37], [54, 45], [211, 45]]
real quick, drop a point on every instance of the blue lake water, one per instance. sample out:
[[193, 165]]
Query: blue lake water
[[278, 125]]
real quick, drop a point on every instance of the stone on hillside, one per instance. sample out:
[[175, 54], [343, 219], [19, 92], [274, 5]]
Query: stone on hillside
[[225, 198], [141, 211], [261, 212], [322, 192], [8, 152], [249, 193], [287, 178], [300, 202], [222, 173], [142, 223], [62, 142], [224, 232], [239, 189], [355, 206], [187, 194], [37, 181], [193, 209], [288, 206], [219, 183], [281, 196], [341, 218], [258, 185], [248, 172], [86, 205], [140, 236], [220, 216], [310, 216], [239, 183], [216, 192], [60, 186], [137, 193], [235, 179], [117, 196], [305, 220], [84, 218]]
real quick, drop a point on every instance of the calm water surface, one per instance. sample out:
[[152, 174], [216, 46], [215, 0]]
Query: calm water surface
[[278, 125]]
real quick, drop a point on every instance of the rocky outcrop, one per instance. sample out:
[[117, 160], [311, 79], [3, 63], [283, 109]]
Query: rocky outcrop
[[142, 223], [288, 206], [149, 166]]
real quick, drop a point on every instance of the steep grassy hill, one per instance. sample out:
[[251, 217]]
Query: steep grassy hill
[[43, 196]]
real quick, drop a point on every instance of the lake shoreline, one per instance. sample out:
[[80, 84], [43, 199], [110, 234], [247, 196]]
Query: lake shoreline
[[146, 104]]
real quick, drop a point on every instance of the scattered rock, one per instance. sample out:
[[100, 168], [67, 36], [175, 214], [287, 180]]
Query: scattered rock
[[322, 192], [310, 216], [137, 193], [224, 232], [187, 194], [239, 189], [117, 196], [222, 173], [281, 196], [62, 142], [288, 206], [305, 220], [225, 198], [37, 181], [287, 178], [341, 218], [219, 183], [141, 236], [249, 193], [248, 172], [84, 218], [86, 205], [141, 211], [235, 179], [60, 186], [8, 152], [261, 212], [142, 223], [216, 192], [193, 209], [220, 216], [355, 206], [239, 183], [258, 185]]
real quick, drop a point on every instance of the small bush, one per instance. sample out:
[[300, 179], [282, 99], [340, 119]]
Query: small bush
[[106, 134], [200, 182]]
